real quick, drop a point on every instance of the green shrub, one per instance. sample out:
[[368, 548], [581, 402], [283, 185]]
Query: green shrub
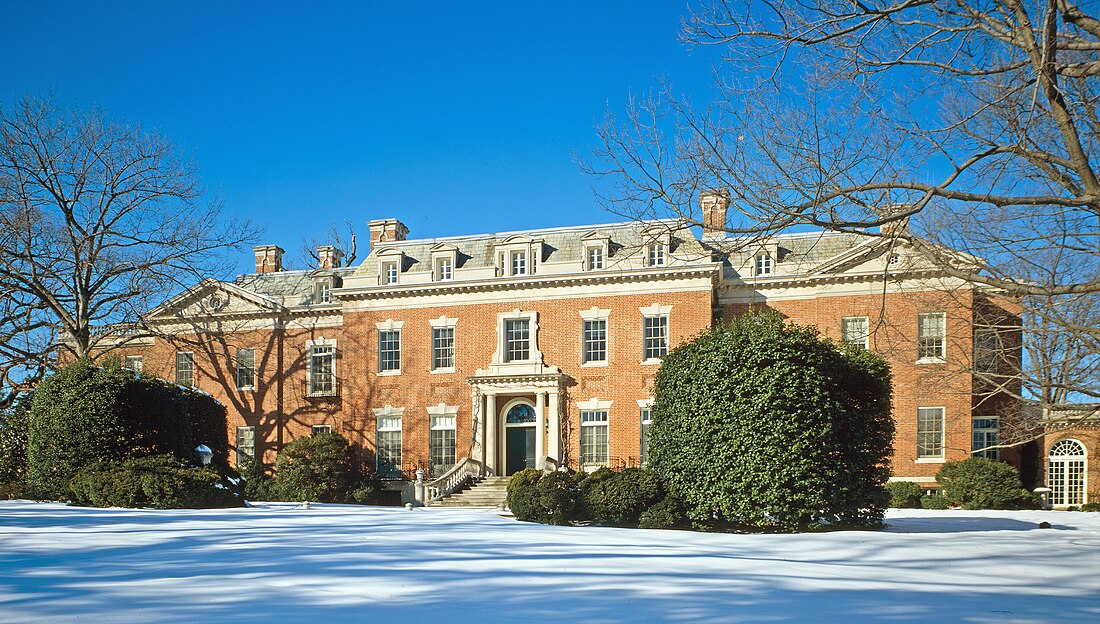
[[85, 414], [588, 481], [1090, 507], [980, 483], [557, 497], [934, 501], [13, 449], [766, 425], [159, 481], [255, 483], [323, 468], [904, 494], [621, 497], [667, 514]]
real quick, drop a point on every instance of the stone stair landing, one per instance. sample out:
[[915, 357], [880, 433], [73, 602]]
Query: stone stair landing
[[488, 492]]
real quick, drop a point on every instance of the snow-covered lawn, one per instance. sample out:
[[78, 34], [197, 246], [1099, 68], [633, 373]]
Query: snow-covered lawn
[[277, 563]]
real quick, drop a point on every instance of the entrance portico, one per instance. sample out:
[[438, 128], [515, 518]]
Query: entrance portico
[[517, 421]]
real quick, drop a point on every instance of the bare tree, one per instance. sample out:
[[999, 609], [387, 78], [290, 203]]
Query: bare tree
[[341, 236], [98, 220], [949, 125]]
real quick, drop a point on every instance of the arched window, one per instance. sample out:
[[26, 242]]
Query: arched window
[[1066, 469], [521, 413]]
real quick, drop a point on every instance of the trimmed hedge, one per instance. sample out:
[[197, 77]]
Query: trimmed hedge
[[326, 469], [904, 494], [980, 483], [86, 413], [934, 501], [667, 514], [159, 481], [619, 498], [550, 498], [765, 425]]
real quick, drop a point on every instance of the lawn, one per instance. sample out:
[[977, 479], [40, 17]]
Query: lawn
[[336, 563]]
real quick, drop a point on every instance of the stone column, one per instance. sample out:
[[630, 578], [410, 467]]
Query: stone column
[[540, 430], [478, 424], [491, 441], [554, 446]]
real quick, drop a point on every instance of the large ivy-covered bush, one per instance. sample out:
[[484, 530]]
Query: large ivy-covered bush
[[980, 483], [764, 424], [323, 468], [13, 448], [159, 481], [86, 413]]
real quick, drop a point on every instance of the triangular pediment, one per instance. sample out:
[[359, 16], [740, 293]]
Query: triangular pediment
[[211, 297], [852, 258]]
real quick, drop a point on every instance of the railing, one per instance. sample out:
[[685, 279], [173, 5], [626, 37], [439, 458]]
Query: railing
[[319, 389], [458, 476]]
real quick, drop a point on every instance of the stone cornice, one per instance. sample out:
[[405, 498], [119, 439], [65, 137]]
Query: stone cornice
[[712, 270], [839, 278]]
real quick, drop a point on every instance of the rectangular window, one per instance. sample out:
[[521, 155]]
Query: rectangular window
[[763, 264], [987, 344], [595, 258], [246, 444], [595, 341], [986, 433], [519, 263], [185, 368], [655, 336], [389, 272], [246, 369], [930, 432], [647, 419], [388, 445], [931, 332], [517, 340], [593, 438], [134, 363], [441, 444], [322, 378], [389, 350], [443, 348], [324, 292], [444, 269], [318, 429], [655, 254], [855, 331]]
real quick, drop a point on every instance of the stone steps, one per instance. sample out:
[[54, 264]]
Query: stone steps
[[488, 492]]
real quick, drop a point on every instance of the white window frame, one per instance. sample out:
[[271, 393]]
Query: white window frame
[[318, 429], [985, 434], [500, 357], [388, 420], [442, 418], [929, 458], [865, 339], [594, 257], [763, 264], [517, 262], [439, 324], [1067, 475], [251, 370], [189, 358], [320, 348], [391, 272], [655, 312], [322, 291], [589, 414], [595, 315], [386, 327], [134, 363], [924, 355], [657, 254], [645, 417], [237, 444], [444, 269]]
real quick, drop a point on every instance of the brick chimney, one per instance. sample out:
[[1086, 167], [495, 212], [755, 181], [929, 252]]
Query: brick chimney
[[269, 258], [713, 205], [329, 257], [386, 231]]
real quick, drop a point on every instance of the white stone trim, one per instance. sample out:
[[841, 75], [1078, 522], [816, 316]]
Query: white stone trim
[[533, 318], [443, 322], [389, 410], [595, 313], [930, 460], [442, 409], [594, 404], [321, 341], [389, 325], [913, 479], [655, 309], [644, 403]]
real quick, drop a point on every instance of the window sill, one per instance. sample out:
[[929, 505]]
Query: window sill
[[247, 389], [442, 371], [600, 364], [652, 362], [389, 373], [930, 460], [932, 360]]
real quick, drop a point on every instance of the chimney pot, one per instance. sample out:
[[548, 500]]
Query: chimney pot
[[329, 257], [386, 231], [269, 259], [713, 204]]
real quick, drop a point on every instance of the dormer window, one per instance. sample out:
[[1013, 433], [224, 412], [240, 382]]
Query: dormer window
[[595, 258], [323, 291], [389, 272], [519, 263], [656, 254], [763, 264], [444, 269]]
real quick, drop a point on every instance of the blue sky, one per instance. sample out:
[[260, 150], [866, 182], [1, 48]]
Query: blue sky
[[453, 117]]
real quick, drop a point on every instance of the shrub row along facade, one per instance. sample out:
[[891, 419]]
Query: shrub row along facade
[[539, 348]]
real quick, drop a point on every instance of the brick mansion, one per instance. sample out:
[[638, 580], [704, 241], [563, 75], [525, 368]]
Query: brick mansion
[[539, 348]]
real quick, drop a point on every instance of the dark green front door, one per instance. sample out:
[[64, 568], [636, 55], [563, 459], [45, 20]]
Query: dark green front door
[[521, 449]]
